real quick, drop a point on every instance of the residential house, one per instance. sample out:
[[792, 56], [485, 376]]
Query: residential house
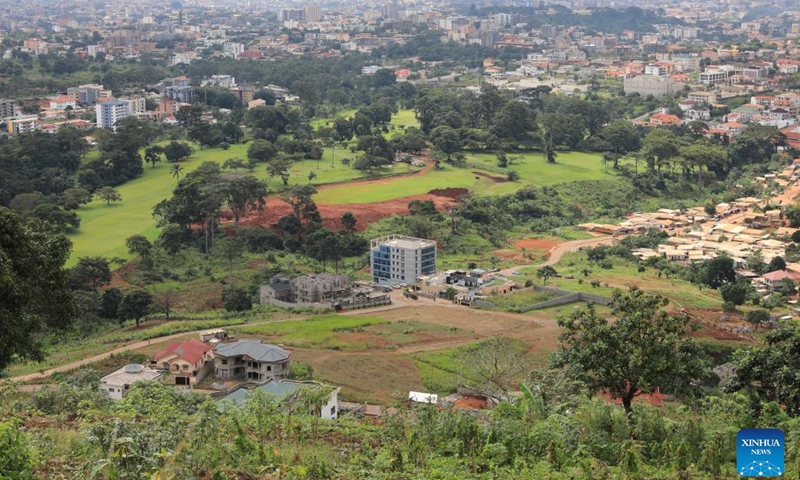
[[252, 360], [776, 281], [286, 391], [187, 362], [117, 383], [279, 288], [664, 120]]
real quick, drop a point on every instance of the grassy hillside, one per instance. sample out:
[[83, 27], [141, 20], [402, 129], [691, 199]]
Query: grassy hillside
[[532, 169]]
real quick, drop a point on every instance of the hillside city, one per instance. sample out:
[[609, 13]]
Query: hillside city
[[554, 239]]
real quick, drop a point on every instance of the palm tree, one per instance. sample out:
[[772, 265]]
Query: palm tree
[[176, 171]]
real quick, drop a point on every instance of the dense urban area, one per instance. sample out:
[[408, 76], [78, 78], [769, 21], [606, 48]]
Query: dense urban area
[[550, 239]]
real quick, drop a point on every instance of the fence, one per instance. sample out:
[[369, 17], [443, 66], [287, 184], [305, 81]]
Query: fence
[[564, 297]]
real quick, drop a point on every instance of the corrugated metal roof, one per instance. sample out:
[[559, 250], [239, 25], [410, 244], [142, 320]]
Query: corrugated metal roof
[[262, 352]]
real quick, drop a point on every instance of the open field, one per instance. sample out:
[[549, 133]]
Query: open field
[[533, 170], [623, 275], [513, 302], [104, 228]]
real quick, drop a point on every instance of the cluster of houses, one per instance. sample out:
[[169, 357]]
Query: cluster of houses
[[238, 364]]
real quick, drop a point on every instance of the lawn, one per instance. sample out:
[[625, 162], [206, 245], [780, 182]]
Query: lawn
[[314, 332], [514, 301], [533, 170], [104, 228]]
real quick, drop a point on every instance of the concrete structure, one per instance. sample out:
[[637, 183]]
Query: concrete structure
[[224, 81], [252, 360], [703, 97], [286, 391], [646, 85], [320, 288], [23, 124], [178, 89], [110, 112], [136, 104], [117, 383], [187, 362], [88, 94], [61, 102], [8, 108], [312, 13], [399, 259]]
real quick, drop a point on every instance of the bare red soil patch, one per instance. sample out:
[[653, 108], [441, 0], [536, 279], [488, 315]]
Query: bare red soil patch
[[535, 244], [490, 177], [366, 213]]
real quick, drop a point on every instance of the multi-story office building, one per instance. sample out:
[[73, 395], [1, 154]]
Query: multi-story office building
[[110, 112], [399, 259], [8, 108], [23, 124], [312, 13]]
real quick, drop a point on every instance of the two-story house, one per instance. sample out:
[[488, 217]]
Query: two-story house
[[187, 362], [252, 360]]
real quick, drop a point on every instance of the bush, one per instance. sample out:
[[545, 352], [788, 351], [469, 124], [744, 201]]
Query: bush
[[236, 299], [15, 454], [728, 307], [528, 283]]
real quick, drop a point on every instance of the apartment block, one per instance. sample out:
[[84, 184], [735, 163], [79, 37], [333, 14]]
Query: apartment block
[[397, 259]]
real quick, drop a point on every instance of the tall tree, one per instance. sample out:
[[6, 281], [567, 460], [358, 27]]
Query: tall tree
[[771, 370], [623, 138], [91, 272], [34, 293], [109, 194], [134, 306], [279, 167], [242, 192], [643, 348], [152, 154]]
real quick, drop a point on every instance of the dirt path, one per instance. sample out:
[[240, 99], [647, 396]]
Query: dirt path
[[554, 254]]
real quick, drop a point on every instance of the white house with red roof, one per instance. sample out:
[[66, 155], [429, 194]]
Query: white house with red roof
[[776, 281], [187, 362]]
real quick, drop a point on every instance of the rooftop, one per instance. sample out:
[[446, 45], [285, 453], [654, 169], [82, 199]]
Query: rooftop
[[403, 241], [190, 350], [280, 388], [262, 352], [130, 374]]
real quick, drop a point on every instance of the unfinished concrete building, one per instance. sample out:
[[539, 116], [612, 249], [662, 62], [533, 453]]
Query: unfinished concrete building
[[324, 287]]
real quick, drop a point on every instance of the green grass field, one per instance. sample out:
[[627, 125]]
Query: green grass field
[[104, 228], [623, 275], [315, 332], [532, 168]]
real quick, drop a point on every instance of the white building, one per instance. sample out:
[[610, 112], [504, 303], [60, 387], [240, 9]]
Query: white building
[[646, 85], [23, 124], [136, 104], [116, 384], [110, 112], [232, 49], [224, 81], [61, 102], [399, 259]]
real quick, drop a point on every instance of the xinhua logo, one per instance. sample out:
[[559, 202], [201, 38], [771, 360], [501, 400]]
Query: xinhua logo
[[759, 452]]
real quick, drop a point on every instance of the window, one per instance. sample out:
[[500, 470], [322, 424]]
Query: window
[[186, 367], [269, 368], [224, 362], [333, 410]]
